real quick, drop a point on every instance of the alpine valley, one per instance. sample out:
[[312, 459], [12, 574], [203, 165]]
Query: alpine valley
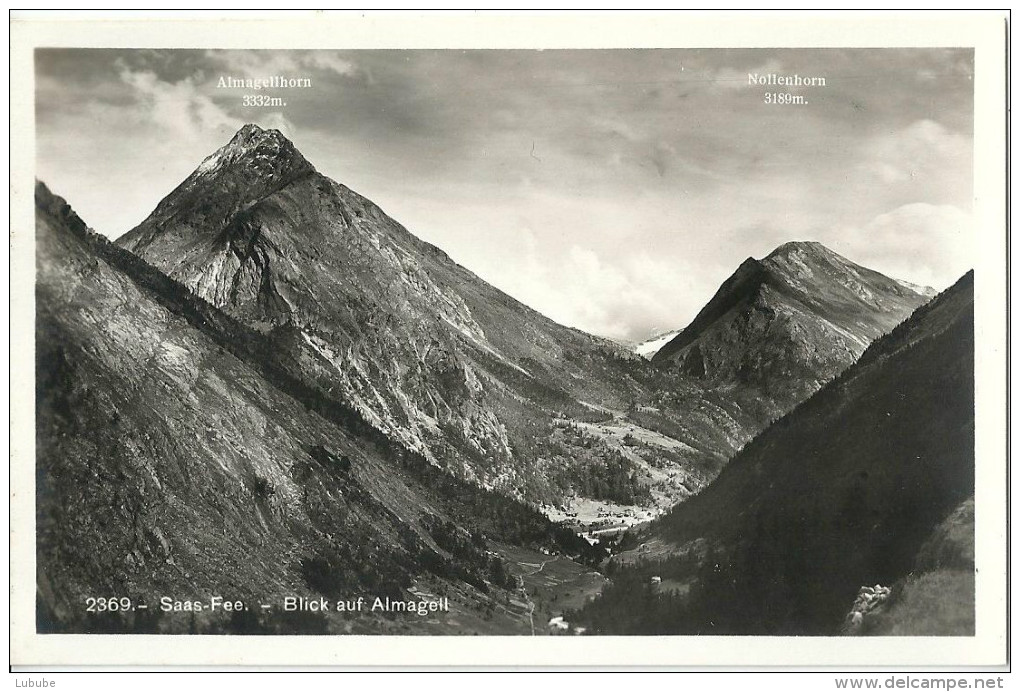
[[270, 389]]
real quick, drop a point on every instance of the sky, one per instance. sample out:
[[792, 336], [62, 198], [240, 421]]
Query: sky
[[611, 190]]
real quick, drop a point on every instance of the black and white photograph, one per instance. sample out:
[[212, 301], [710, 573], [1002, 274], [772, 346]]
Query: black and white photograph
[[567, 342]]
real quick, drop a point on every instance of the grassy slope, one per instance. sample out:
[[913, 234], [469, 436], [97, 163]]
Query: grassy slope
[[937, 597]]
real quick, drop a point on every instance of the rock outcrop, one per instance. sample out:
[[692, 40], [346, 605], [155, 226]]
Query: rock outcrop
[[869, 600]]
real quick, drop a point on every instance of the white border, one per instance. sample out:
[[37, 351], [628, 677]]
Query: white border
[[983, 31]]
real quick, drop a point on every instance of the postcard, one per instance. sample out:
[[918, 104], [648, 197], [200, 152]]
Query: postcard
[[509, 339]]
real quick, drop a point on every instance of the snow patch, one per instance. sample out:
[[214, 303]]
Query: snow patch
[[647, 349]]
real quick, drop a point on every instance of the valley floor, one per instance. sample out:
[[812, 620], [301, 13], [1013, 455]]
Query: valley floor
[[550, 585]]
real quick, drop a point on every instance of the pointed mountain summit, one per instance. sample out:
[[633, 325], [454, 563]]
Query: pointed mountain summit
[[252, 166], [788, 323], [267, 156], [429, 353]]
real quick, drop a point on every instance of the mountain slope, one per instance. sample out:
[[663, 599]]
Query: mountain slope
[[362, 310], [787, 324], [175, 459], [841, 492]]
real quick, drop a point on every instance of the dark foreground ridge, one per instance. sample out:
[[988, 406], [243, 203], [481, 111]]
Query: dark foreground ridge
[[176, 457]]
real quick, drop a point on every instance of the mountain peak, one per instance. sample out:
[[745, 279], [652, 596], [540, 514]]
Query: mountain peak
[[261, 151], [797, 261], [789, 322], [804, 262], [252, 133], [253, 165], [251, 128], [801, 248]]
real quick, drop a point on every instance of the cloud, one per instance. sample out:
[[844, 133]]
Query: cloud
[[326, 60], [925, 157], [179, 109], [726, 78], [623, 297], [585, 290], [607, 189], [614, 127], [283, 63], [926, 244]]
